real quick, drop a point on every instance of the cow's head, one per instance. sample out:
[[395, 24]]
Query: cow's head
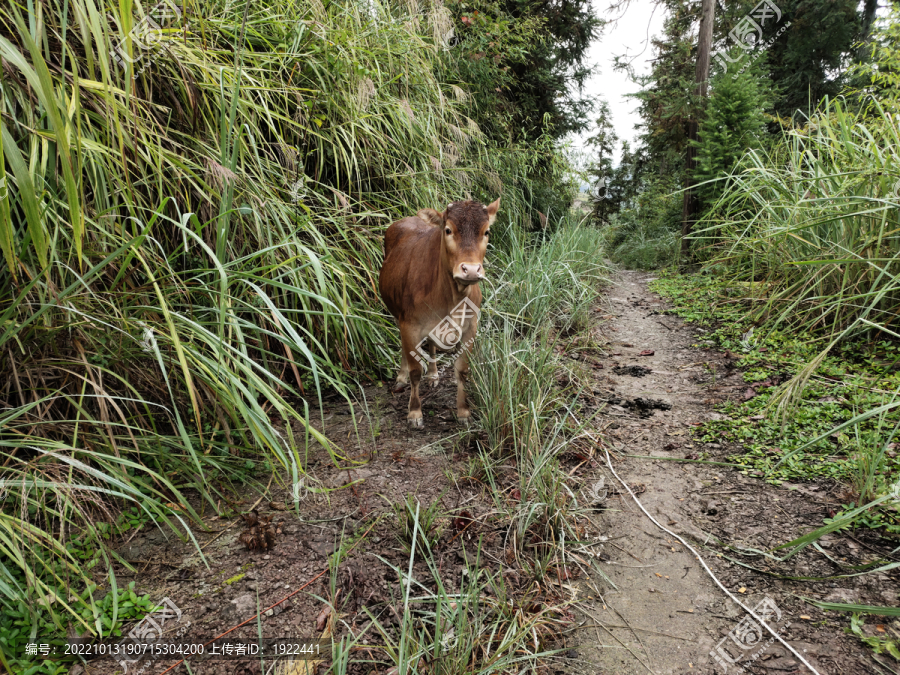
[[465, 229]]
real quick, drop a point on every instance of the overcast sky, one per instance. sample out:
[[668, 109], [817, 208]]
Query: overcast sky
[[627, 36]]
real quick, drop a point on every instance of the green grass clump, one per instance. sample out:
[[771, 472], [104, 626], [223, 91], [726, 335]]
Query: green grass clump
[[646, 235], [108, 615], [540, 293], [479, 628], [818, 438], [814, 223], [526, 395]]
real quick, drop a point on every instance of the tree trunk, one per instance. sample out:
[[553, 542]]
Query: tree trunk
[[701, 77], [863, 54]]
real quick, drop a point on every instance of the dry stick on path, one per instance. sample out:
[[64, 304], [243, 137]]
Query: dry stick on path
[[652, 632], [584, 610], [712, 576]]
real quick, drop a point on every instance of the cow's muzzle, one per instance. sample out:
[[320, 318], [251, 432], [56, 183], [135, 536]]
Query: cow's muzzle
[[469, 273]]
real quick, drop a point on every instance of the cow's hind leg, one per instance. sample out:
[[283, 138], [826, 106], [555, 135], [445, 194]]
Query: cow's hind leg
[[414, 417], [461, 367]]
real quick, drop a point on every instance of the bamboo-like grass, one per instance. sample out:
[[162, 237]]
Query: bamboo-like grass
[[539, 302], [815, 222], [814, 226], [191, 211]]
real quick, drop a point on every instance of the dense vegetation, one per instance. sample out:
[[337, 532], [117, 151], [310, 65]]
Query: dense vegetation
[[762, 93], [538, 299], [191, 206], [192, 199]]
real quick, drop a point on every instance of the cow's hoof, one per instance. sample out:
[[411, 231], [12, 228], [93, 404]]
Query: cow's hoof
[[464, 419], [398, 387], [416, 422], [434, 379]]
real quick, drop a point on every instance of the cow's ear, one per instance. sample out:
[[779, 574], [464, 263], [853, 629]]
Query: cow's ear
[[492, 209], [431, 216]]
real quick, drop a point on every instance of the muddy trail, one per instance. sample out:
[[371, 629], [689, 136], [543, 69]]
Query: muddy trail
[[635, 599], [657, 609]]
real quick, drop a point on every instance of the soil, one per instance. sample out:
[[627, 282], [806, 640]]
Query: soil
[[655, 609], [643, 602]]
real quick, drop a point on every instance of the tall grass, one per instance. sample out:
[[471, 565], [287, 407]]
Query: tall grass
[[478, 630], [814, 225], [526, 396], [191, 208], [646, 235], [541, 291], [815, 222]]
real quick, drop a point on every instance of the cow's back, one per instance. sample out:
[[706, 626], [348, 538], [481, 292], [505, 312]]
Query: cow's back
[[412, 258]]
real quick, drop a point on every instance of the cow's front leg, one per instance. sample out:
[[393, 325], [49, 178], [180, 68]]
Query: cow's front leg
[[409, 342], [403, 375], [461, 368], [432, 374]]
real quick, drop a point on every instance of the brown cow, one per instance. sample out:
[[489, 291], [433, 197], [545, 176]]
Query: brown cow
[[429, 282]]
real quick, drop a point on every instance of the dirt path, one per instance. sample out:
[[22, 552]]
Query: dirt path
[[659, 611]]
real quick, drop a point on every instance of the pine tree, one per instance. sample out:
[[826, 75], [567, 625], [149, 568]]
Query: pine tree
[[734, 123], [809, 60], [550, 81]]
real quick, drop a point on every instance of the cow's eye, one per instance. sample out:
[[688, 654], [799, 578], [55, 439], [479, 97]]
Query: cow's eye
[[448, 231], [486, 233]]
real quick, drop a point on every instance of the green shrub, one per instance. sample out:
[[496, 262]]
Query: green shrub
[[733, 123], [648, 234]]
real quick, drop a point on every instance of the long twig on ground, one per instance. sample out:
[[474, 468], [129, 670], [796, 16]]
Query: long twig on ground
[[613, 636], [652, 632], [710, 573]]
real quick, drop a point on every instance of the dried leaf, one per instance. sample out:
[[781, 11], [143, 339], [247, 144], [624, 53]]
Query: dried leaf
[[322, 618]]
